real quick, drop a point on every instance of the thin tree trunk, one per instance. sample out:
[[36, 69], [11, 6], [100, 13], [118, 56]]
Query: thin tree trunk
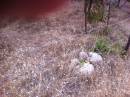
[[85, 13], [90, 6], [109, 13], [118, 5], [127, 45]]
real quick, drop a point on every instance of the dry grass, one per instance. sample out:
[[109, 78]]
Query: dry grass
[[37, 57]]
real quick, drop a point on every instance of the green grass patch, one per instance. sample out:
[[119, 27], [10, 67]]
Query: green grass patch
[[104, 46]]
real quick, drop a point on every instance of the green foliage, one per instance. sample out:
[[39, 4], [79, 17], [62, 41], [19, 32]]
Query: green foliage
[[94, 17], [82, 62], [102, 46], [96, 13]]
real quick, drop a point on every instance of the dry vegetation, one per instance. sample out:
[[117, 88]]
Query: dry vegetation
[[35, 57]]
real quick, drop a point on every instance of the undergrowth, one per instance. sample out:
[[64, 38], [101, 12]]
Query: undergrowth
[[104, 46], [96, 14]]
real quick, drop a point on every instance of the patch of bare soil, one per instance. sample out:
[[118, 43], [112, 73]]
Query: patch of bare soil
[[35, 57]]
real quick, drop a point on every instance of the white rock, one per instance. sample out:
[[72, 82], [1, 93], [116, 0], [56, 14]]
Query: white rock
[[87, 69], [94, 57], [83, 55]]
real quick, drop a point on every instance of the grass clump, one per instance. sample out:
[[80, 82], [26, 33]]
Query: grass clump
[[104, 46]]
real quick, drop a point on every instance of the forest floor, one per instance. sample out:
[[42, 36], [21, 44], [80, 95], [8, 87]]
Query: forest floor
[[35, 56]]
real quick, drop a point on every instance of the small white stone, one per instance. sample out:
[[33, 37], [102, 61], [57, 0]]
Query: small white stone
[[24, 65], [83, 55], [94, 57], [87, 69]]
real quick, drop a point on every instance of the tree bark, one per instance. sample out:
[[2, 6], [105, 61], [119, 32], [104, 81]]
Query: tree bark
[[118, 5], [85, 13], [127, 45]]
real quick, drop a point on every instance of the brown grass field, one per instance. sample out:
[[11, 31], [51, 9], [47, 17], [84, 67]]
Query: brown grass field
[[35, 56]]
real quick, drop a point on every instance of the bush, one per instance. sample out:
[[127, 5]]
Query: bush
[[102, 46]]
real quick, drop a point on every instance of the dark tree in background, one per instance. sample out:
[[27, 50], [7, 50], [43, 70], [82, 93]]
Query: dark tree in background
[[118, 4], [87, 10], [127, 45]]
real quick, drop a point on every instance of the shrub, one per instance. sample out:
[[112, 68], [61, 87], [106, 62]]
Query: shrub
[[102, 46]]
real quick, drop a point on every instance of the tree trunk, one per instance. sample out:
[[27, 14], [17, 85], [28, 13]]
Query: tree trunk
[[90, 6], [109, 13], [85, 13], [127, 45], [118, 5]]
